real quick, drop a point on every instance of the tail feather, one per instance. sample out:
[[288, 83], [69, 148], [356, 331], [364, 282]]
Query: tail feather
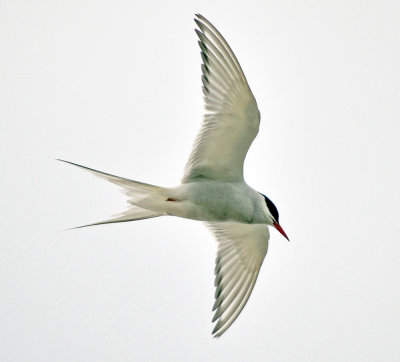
[[123, 182], [137, 191], [132, 214]]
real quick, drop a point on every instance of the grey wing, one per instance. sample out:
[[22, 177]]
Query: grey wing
[[232, 119], [241, 251]]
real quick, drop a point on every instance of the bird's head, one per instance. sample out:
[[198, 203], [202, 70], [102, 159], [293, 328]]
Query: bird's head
[[273, 216]]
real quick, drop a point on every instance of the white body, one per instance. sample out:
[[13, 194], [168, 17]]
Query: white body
[[211, 201]]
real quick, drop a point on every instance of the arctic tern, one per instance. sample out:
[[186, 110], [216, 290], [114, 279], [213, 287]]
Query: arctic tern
[[213, 189]]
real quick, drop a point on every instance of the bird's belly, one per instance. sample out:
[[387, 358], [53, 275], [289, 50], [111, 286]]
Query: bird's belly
[[214, 201]]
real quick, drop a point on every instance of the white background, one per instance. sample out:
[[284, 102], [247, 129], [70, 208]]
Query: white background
[[116, 86]]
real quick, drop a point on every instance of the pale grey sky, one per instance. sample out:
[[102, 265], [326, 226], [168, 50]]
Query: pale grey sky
[[116, 86]]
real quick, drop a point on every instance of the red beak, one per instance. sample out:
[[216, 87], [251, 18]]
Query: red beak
[[278, 227]]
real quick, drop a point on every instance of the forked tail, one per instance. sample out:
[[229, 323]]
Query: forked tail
[[139, 193]]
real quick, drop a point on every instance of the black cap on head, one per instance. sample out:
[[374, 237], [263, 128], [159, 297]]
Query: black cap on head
[[272, 208]]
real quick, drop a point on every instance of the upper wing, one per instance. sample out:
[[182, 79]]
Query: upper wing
[[232, 120], [241, 251]]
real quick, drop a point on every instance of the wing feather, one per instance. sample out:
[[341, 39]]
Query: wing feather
[[232, 119], [241, 251]]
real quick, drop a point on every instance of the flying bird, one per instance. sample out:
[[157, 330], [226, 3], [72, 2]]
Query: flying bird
[[213, 189]]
